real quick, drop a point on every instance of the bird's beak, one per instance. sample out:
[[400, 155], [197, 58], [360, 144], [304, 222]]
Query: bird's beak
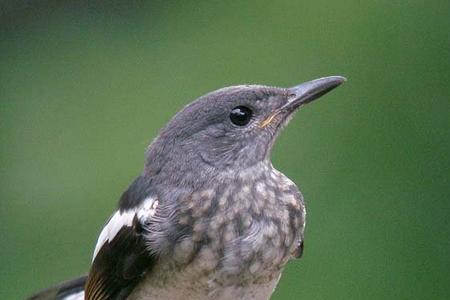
[[311, 90], [304, 93]]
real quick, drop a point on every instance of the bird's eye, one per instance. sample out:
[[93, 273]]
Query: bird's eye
[[241, 115]]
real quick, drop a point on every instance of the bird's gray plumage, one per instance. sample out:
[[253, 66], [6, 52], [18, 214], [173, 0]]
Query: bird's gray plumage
[[209, 216]]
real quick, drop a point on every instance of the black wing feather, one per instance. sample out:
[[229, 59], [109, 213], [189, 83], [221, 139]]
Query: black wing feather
[[119, 265], [123, 261]]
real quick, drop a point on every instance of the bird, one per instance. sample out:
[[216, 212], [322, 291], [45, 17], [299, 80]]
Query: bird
[[209, 217]]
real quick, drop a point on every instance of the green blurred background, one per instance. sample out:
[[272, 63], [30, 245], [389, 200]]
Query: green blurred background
[[84, 89]]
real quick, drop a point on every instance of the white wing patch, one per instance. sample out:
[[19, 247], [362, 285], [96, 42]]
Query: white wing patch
[[144, 211], [77, 296], [117, 221]]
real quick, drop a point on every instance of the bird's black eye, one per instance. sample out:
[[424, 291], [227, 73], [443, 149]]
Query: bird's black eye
[[241, 115]]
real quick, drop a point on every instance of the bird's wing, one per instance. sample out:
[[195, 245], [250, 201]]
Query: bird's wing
[[72, 289], [122, 256]]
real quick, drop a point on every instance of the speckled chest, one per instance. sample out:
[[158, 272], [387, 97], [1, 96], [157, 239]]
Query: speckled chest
[[241, 230], [229, 240]]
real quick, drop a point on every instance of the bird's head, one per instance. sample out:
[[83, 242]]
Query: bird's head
[[230, 129]]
